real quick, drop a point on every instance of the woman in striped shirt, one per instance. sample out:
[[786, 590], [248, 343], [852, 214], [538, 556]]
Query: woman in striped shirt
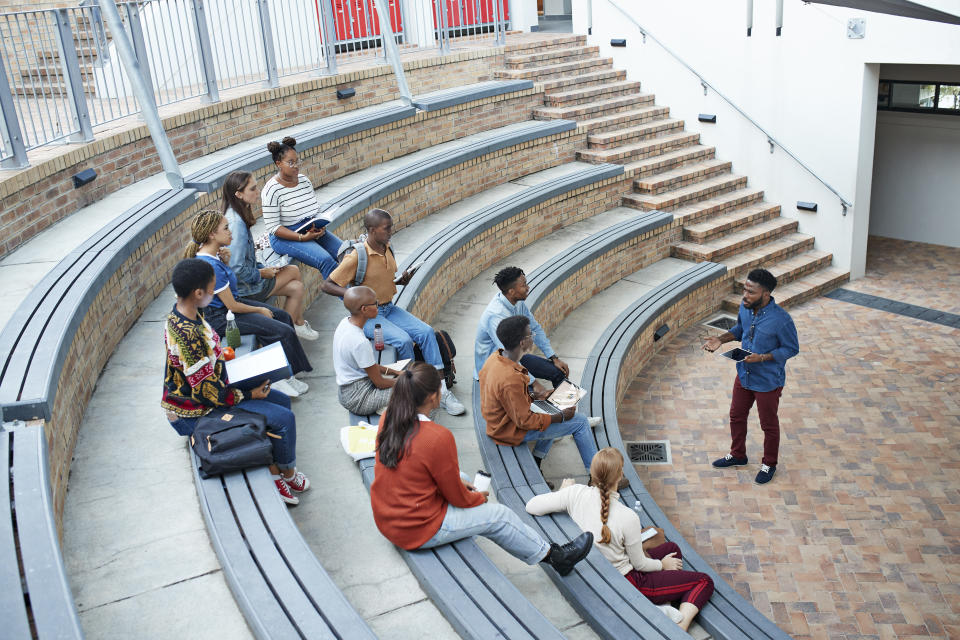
[[288, 200]]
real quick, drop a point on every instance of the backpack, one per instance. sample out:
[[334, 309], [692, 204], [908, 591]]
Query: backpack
[[358, 245], [447, 352], [230, 440]]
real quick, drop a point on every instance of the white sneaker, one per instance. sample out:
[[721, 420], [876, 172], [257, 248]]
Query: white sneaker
[[450, 403], [671, 612], [305, 331], [595, 421], [283, 386], [299, 386]]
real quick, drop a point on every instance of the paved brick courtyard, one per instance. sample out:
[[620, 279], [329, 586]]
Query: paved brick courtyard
[[858, 535]]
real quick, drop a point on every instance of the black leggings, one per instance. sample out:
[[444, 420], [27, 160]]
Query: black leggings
[[279, 328]]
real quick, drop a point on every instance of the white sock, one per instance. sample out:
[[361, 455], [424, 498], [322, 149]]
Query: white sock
[[443, 385]]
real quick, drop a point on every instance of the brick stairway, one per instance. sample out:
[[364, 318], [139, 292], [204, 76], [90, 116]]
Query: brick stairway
[[724, 219]]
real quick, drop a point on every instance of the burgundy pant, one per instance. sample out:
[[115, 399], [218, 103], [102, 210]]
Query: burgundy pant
[[767, 404], [664, 587]]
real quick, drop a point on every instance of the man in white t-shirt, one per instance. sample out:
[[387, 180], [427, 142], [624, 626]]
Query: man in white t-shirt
[[363, 387]]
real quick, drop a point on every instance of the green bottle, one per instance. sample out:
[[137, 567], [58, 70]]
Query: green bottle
[[233, 331]]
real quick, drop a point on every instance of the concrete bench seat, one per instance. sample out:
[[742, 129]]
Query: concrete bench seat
[[444, 98], [211, 178], [43, 597], [727, 615], [276, 580], [470, 591], [352, 201]]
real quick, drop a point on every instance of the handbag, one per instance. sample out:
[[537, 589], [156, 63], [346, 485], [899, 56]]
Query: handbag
[[656, 540], [231, 440]]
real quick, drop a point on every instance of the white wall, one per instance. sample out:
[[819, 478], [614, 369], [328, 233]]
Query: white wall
[[916, 178], [812, 89]]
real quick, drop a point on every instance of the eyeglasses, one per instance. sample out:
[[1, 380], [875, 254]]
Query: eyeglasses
[[292, 163], [369, 304], [753, 328]]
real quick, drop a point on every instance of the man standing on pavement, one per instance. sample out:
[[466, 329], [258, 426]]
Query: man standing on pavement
[[768, 333], [401, 329]]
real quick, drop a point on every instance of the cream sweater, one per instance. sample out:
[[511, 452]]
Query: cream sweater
[[625, 550]]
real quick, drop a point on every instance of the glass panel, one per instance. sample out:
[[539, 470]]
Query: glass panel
[[949, 97], [912, 96], [883, 97]]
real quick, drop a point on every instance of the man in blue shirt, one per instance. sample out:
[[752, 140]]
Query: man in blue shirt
[[768, 333]]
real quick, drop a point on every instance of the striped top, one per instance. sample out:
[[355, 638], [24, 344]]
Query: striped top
[[285, 206]]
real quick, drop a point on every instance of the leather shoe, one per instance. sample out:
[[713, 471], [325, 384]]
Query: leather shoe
[[563, 557]]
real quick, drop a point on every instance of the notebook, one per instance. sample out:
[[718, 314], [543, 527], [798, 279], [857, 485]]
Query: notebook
[[251, 369]]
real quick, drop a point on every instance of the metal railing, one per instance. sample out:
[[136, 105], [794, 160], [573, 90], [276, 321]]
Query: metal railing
[[773, 142]]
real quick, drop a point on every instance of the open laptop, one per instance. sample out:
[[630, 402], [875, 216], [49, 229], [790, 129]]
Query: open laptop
[[565, 395]]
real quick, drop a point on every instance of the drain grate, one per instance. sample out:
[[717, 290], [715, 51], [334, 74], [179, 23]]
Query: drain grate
[[649, 452], [722, 321]]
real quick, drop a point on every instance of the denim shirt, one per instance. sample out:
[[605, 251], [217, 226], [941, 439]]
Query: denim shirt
[[487, 341], [243, 254], [769, 330]]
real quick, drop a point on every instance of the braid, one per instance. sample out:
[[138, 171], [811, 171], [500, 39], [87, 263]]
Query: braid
[[202, 227], [604, 514]]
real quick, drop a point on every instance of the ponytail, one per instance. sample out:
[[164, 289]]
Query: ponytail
[[202, 227], [605, 471], [400, 422]]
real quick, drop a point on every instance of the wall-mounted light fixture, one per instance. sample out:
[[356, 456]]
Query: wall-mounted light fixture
[[618, 42], [347, 92], [659, 333], [708, 117], [84, 177], [807, 206]]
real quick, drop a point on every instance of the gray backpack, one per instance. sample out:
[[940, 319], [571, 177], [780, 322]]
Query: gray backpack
[[358, 245]]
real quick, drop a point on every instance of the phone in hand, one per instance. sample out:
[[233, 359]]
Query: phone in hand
[[411, 270]]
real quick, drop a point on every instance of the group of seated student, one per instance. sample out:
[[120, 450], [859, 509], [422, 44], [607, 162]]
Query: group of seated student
[[195, 382], [401, 329]]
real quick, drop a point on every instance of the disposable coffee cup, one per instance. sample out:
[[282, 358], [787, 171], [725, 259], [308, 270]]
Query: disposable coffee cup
[[481, 481]]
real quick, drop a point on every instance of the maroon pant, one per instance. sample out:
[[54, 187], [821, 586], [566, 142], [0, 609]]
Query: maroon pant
[[767, 404], [664, 587]]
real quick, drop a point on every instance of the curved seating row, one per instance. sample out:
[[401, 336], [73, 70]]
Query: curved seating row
[[125, 263], [470, 591], [42, 596], [727, 615]]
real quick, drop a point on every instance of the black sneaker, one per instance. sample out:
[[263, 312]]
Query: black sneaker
[[729, 461], [765, 474], [564, 557]]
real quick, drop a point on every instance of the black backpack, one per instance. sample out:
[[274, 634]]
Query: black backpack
[[230, 440], [448, 351]]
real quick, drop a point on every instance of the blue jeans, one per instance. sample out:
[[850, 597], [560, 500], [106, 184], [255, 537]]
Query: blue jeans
[[577, 426], [401, 330], [543, 369], [280, 421], [493, 521], [321, 254]]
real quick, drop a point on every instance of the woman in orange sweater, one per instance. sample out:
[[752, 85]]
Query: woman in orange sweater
[[421, 500]]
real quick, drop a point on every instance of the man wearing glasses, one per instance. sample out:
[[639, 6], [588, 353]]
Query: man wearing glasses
[[768, 333]]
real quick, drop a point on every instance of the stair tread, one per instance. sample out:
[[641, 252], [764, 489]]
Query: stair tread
[[751, 209], [550, 54], [606, 136], [713, 181], [786, 242], [685, 170], [695, 207], [598, 105], [638, 166], [583, 78], [738, 236], [640, 112], [619, 85], [642, 145], [533, 72]]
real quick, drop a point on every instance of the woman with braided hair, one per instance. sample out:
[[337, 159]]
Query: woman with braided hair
[[211, 237], [657, 573]]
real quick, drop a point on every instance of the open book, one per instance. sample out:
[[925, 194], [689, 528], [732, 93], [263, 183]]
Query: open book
[[251, 369], [303, 224], [565, 395], [399, 366]]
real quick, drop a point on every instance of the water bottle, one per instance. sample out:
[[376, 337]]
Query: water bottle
[[233, 331], [378, 337], [638, 508]]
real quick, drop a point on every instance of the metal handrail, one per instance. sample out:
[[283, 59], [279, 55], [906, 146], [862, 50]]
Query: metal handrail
[[707, 85]]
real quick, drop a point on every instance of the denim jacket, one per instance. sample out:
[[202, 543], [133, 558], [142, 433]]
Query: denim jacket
[[769, 330], [243, 254]]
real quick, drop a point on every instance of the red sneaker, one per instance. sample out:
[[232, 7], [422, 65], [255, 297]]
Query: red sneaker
[[298, 482], [285, 494]]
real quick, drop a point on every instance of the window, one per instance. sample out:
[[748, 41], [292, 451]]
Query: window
[[919, 97]]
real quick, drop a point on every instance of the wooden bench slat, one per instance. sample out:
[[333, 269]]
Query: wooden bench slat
[[51, 601], [13, 607]]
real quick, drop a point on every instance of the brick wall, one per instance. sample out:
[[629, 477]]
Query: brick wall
[[34, 198]]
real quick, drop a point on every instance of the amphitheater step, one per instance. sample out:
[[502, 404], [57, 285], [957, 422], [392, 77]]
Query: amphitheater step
[[670, 161], [690, 213], [557, 41], [800, 290], [682, 176], [695, 192], [584, 80], [619, 137], [767, 254], [736, 242], [622, 119], [551, 56], [642, 149], [581, 95], [707, 230], [600, 107], [555, 70]]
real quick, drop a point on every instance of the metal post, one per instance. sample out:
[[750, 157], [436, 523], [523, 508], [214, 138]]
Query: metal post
[[500, 25], [329, 35], [386, 31], [269, 54], [74, 81], [442, 23], [139, 43], [206, 51], [10, 125], [779, 16], [143, 93], [749, 18]]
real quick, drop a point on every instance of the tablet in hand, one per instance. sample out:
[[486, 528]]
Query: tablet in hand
[[737, 354]]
